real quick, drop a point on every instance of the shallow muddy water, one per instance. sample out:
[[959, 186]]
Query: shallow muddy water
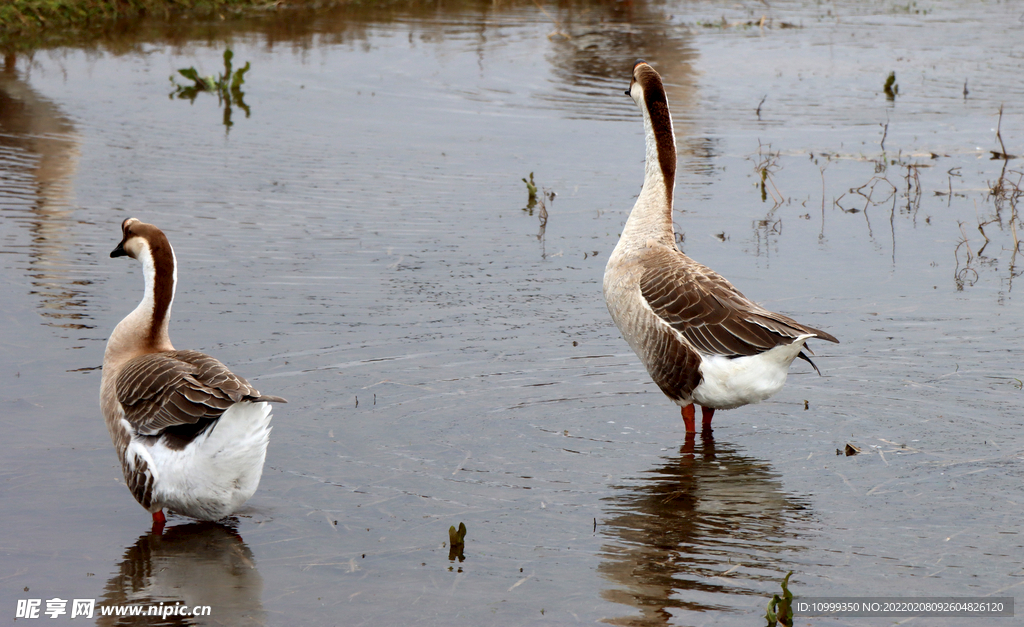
[[358, 244]]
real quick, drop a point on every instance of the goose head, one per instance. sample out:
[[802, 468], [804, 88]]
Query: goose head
[[145, 329], [648, 92], [641, 69], [138, 240]]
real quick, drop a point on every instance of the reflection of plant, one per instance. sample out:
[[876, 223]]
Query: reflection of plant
[[966, 275], [880, 190], [1000, 154], [532, 200], [227, 86], [1006, 193], [867, 191], [765, 167], [899, 183]]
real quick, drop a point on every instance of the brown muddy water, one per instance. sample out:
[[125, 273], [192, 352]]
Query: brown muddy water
[[358, 244]]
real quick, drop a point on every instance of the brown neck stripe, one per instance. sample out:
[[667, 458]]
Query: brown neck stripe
[[163, 281], [661, 121]]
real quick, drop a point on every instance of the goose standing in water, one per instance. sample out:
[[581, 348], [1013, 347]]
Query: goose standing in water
[[191, 435], [700, 339]]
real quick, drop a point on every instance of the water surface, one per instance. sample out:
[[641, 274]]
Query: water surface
[[359, 245]]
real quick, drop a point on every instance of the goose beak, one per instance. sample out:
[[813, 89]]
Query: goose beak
[[120, 250]]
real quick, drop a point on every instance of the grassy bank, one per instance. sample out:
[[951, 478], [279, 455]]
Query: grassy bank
[[31, 24], [30, 17]]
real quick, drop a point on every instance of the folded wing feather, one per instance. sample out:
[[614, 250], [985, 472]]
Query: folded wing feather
[[163, 390], [711, 314]]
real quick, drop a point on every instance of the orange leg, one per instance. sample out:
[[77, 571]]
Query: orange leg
[[688, 418], [706, 413], [158, 522]]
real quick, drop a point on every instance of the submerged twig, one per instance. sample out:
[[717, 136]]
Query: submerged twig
[[543, 215], [913, 187], [999, 136]]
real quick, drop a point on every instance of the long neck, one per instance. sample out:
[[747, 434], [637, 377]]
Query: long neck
[[651, 217], [144, 330]]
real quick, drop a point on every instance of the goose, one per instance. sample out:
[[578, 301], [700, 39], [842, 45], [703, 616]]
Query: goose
[[191, 435], [701, 340]]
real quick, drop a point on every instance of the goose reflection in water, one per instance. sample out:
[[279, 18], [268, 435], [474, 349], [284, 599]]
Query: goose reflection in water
[[706, 525], [604, 40], [39, 153], [194, 564]]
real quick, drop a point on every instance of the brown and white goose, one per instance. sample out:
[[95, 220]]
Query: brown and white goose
[[191, 435], [700, 339]]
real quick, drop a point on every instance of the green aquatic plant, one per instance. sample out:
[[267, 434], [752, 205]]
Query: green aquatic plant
[[531, 189], [227, 86], [891, 88], [457, 542], [780, 609]]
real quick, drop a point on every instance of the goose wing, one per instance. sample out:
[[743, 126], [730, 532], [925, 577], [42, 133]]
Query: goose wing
[[164, 390], [711, 314]]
